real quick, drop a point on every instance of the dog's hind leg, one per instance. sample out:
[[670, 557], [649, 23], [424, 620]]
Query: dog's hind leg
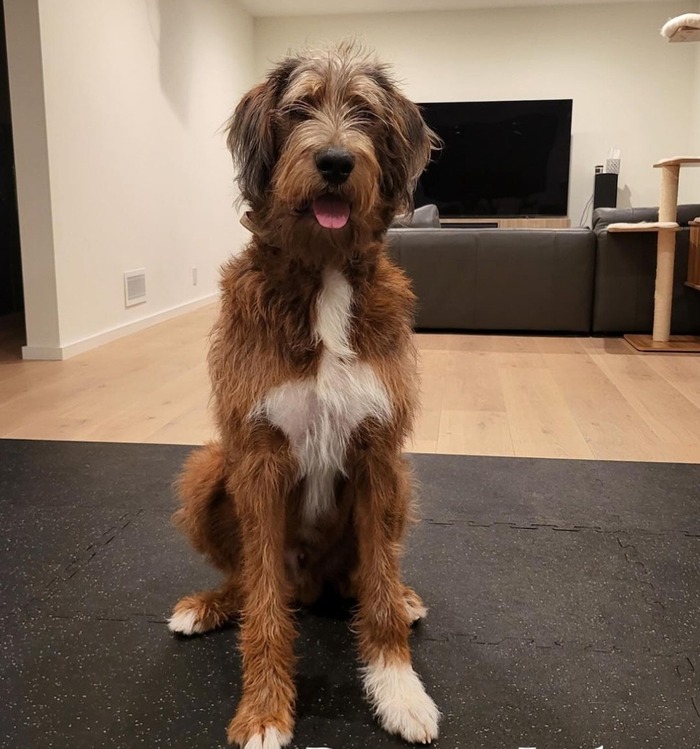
[[414, 606], [207, 517], [205, 611]]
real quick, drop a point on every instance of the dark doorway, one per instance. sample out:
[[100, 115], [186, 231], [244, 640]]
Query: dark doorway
[[11, 293]]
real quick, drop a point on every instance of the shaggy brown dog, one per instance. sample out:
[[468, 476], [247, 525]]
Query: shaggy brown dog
[[314, 380]]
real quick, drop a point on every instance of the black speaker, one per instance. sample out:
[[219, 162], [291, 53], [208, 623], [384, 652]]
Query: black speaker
[[605, 191]]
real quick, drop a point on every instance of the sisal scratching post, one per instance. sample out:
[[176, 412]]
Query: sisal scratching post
[[665, 253], [694, 255]]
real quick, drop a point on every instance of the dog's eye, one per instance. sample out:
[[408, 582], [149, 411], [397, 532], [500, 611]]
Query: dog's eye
[[364, 113], [300, 111]]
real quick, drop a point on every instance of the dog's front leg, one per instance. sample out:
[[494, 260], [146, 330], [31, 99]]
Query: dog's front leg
[[260, 485], [392, 686]]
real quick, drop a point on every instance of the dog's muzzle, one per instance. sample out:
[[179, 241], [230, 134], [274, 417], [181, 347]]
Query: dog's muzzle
[[335, 166]]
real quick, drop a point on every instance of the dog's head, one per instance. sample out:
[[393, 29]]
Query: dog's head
[[327, 148]]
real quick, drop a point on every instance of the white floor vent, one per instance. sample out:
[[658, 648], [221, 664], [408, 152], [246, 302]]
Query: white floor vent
[[135, 287]]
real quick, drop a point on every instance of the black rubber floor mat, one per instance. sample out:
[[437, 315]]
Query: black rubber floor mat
[[564, 608]]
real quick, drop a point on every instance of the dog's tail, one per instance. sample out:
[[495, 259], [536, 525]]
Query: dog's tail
[[201, 491]]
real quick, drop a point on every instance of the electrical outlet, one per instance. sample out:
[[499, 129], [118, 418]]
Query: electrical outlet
[[194, 276]]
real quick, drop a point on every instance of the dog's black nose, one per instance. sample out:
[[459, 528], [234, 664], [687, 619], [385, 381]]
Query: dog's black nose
[[335, 164]]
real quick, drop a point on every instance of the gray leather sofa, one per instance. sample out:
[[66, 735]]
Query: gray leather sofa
[[501, 280], [623, 299], [541, 280]]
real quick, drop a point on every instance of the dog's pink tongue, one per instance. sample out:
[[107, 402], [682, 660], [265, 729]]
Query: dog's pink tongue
[[331, 212]]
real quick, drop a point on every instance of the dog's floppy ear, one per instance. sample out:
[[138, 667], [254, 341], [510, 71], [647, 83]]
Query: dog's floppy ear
[[251, 134], [251, 140], [409, 145]]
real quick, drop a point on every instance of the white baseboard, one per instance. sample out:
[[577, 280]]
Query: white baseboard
[[42, 353], [58, 353]]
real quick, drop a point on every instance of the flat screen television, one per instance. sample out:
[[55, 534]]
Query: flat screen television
[[499, 158]]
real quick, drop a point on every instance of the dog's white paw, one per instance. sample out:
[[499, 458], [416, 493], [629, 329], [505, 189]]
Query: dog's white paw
[[186, 622], [401, 702], [270, 738]]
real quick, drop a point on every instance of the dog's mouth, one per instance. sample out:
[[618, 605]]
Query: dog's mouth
[[331, 211]]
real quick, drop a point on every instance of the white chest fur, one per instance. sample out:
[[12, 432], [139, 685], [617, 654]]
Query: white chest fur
[[319, 414]]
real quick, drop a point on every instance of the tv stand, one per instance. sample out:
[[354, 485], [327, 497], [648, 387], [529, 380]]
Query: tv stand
[[541, 222], [450, 223]]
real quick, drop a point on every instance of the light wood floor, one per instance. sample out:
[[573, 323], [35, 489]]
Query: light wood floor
[[482, 395]]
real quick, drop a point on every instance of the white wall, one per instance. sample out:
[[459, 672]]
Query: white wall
[[630, 88], [136, 92]]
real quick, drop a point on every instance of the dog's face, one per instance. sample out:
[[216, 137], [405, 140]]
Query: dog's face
[[327, 149]]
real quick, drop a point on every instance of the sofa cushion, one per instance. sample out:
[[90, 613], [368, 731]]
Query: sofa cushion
[[425, 217]]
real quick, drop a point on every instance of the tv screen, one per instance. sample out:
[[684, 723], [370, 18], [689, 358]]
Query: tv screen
[[499, 158]]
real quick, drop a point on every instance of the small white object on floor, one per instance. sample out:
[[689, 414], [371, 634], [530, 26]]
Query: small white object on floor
[[685, 28]]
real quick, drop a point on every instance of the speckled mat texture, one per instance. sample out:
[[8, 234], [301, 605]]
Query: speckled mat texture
[[564, 608]]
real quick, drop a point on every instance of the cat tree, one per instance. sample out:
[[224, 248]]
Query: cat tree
[[685, 28]]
